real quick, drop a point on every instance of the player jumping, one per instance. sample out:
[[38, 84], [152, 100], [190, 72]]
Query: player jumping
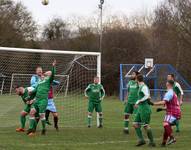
[[143, 114], [173, 113], [41, 101], [28, 100], [132, 97], [179, 92], [95, 93]]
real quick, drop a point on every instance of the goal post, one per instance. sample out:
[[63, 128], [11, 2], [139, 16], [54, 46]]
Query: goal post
[[75, 68]]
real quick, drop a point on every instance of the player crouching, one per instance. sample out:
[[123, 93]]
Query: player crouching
[[95, 93], [28, 100], [173, 113]]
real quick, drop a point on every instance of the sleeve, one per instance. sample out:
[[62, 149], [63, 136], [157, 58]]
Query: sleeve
[[53, 73], [168, 96], [87, 90], [33, 81], [102, 92], [128, 87], [146, 92], [180, 88], [55, 82]]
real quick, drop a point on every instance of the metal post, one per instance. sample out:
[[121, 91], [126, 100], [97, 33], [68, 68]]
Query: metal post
[[101, 24]]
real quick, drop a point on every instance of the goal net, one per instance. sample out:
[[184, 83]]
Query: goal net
[[74, 71]]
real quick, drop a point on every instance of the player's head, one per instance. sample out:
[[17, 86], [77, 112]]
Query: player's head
[[140, 78], [171, 77], [169, 84], [39, 70], [96, 80], [19, 90], [134, 75]]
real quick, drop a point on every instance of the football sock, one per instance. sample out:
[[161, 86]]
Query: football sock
[[43, 121], [32, 123], [139, 134], [101, 119], [177, 125], [23, 121], [167, 133], [150, 135], [56, 121], [89, 120], [47, 113]]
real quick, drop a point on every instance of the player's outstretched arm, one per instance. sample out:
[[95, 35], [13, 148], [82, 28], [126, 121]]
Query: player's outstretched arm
[[53, 70], [160, 103]]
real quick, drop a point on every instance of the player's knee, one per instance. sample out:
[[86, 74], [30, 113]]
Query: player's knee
[[23, 113], [32, 112], [165, 124], [55, 114], [42, 116], [146, 127], [135, 125]]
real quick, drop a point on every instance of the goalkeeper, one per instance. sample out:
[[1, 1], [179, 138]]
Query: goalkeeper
[[28, 100], [41, 92], [95, 93]]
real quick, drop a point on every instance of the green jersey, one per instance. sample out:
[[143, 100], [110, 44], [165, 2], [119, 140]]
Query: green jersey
[[43, 86], [177, 89], [95, 92], [143, 96], [132, 88], [26, 97]]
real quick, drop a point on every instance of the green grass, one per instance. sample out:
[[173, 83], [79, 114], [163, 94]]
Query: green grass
[[110, 137]]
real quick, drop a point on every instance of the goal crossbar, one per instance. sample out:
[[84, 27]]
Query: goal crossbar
[[49, 51]]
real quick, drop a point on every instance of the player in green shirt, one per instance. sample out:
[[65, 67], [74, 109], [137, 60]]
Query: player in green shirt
[[179, 92], [28, 100], [131, 99], [95, 94], [41, 91], [143, 114]]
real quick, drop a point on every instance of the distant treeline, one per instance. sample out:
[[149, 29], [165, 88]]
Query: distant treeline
[[164, 35]]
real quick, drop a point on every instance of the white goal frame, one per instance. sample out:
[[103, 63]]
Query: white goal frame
[[98, 54]]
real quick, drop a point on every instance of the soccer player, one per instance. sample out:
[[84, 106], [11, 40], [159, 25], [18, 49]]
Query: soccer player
[[95, 94], [132, 97], [37, 77], [179, 92], [41, 101], [143, 114], [51, 108], [28, 100], [173, 113]]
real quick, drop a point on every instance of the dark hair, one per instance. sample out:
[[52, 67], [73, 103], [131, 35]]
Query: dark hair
[[136, 72], [171, 82], [17, 86], [140, 78], [38, 67], [172, 75]]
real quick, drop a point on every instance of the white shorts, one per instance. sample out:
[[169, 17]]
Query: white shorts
[[170, 119], [51, 106]]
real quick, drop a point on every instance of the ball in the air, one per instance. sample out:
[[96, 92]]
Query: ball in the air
[[45, 2]]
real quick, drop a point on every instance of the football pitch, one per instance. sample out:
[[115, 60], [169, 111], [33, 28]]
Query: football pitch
[[110, 137]]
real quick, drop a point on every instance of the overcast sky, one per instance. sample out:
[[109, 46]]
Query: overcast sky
[[66, 8]]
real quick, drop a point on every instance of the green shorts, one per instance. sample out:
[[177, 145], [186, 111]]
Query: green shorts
[[93, 105], [40, 105], [142, 118], [27, 108], [129, 109]]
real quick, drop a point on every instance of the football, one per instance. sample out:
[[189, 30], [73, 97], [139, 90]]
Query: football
[[45, 2]]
